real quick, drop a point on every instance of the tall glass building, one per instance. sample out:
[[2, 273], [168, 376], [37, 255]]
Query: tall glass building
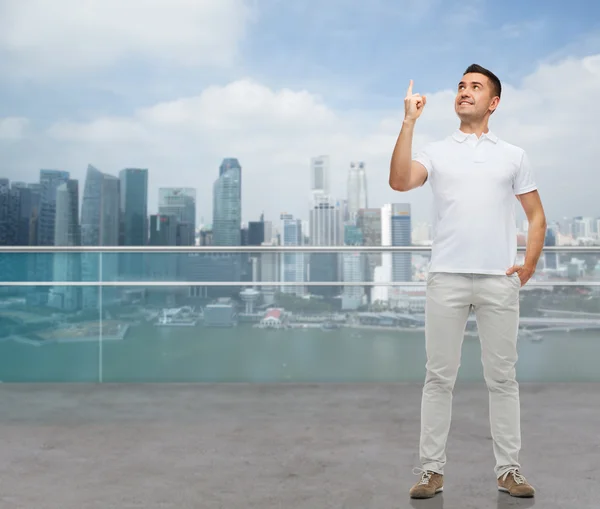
[[357, 190], [293, 266], [134, 206], [100, 225], [227, 205], [43, 267], [181, 203], [134, 220], [401, 236], [67, 266], [50, 180]]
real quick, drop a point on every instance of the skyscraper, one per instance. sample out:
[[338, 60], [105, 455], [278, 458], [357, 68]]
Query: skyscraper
[[550, 259], [163, 232], [100, 211], [49, 180], [9, 214], [231, 163], [270, 270], [319, 176], [67, 266], [134, 206], [401, 236], [256, 232], [11, 267], [292, 268], [369, 223], [100, 226], [326, 229], [226, 231], [29, 207], [326, 222], [383, 272], [134, 220], [181, 203], [36, 203], [357, 189], [352, 296], [227, 205]]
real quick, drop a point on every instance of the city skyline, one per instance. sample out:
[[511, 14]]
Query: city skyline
[[176, 201], [114, 211]]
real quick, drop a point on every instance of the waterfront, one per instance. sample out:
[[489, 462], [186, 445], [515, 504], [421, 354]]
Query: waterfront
[[247, 354]]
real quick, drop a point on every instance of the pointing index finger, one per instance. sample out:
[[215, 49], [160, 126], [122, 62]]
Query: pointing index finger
[[409, 91]]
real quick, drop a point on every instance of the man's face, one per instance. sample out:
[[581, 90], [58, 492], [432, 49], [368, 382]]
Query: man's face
[[474, 97]]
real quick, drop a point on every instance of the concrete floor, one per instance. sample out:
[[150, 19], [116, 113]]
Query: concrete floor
[[280, 446]]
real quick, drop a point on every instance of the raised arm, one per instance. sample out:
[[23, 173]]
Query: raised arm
[[406, 174]]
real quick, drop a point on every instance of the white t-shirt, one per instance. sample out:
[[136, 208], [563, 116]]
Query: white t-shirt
[[474, 183]]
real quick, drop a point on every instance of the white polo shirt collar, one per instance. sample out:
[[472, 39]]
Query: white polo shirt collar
[[461, 136]]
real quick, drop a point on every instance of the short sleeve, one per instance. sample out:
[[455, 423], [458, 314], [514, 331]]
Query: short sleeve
[[424, 157], [524, 179]]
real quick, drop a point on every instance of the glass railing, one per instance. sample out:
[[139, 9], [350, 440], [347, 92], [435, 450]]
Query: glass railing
[[267, 314]]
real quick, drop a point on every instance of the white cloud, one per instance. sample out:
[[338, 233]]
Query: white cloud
[[13, 128], [42, 37], [274, 133]]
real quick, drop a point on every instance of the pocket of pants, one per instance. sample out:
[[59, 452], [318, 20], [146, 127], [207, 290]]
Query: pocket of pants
[[516, 279], [430, 276]]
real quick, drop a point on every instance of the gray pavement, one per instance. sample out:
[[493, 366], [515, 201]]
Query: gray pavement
[[280, 446]]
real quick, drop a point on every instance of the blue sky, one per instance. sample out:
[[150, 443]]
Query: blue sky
[[356, 53], [352, 58]]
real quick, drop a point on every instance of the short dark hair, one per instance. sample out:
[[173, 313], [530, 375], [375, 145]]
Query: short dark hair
[[497, 86]]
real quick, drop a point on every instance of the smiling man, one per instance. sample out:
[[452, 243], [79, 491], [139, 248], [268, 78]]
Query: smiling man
[[475, 178]]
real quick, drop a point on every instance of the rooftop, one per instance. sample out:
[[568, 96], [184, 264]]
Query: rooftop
[[280, 446]]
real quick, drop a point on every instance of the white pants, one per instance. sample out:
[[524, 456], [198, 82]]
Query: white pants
[[495, 301]]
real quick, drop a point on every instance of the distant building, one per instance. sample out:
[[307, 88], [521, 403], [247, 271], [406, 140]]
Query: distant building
[[275, 318], [326, 229], [50, 180], [100, 226], [352, 296], [134, 220], [67, 266], [227, 205], [223, 313], [134, 206], [270, 270], [319, 177], [163, 232], [357, 189], [550, 259], [293, 266], [368, 222], [256, 232], [401, 236], [181, 203], [353, 235]]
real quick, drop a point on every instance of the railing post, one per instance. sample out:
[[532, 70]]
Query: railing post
[[100, 344]]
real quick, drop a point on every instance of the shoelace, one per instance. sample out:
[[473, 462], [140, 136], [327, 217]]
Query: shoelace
[[519, 479], [425, 475]]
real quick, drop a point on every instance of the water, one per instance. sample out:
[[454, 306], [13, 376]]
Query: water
[[246, 354]]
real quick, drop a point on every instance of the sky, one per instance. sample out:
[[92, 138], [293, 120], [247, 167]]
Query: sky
[[176, 86]]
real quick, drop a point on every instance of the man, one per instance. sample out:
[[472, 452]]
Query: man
[[474, 177]]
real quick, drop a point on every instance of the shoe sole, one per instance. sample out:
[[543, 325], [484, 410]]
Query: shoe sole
[[439, 490], [504, 490]]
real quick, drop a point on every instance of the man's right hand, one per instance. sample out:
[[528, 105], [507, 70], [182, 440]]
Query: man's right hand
[[413, 104]]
